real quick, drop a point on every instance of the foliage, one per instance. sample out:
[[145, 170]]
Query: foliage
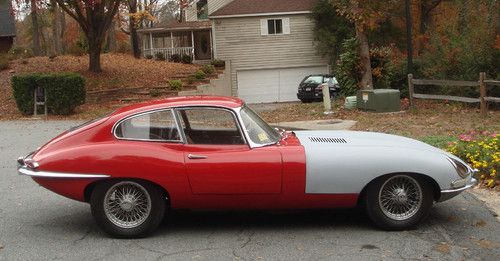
[[347, 67], [149, 56], [154, 92], [186, 59], [480, 150], [176, 58], [191, 79], [330, 30], [175, 85], [199, 75], [160, 56], [218, 63], [4, 62], [208, 69], [20, 52], [65, 91], [439, 141], [75, 50]]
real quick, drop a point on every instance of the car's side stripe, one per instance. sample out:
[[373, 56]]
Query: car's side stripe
[[47, 174]]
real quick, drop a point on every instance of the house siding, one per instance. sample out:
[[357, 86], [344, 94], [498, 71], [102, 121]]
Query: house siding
[[239, 40], [191, 13]]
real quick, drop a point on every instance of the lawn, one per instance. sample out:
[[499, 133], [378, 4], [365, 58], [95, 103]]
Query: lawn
[[119, 71], [431, 121]]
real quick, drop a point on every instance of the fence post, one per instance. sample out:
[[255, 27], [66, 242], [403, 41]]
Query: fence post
[[410, 90], [482, 93]]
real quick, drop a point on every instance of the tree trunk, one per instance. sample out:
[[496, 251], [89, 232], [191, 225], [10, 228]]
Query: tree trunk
[[36, 29], [94, 56], [364, 54], [56, 28], [134, 37], [112, 37], [62, 22]]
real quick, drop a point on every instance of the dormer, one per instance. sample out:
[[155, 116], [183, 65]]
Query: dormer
[[200, 10]]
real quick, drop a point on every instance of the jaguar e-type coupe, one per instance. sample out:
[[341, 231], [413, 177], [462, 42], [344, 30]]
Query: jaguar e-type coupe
[[210, 152]]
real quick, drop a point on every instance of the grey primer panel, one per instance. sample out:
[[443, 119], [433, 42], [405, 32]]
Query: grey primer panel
[[346, 161]]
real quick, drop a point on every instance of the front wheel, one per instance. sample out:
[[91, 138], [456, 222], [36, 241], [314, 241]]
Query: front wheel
[[399, 201], [127, 208]]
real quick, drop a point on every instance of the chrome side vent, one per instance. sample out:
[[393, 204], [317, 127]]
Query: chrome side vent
[[327, 140]]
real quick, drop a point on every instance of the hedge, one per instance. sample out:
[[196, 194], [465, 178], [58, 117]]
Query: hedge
[[65, 91]]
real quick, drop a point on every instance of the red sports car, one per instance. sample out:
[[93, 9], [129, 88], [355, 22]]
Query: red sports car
[[210, 152]]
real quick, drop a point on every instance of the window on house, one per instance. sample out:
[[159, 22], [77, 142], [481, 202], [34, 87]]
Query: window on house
[[275, 26]]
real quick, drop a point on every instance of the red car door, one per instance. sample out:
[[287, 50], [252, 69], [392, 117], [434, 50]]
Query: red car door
[[233, 169]]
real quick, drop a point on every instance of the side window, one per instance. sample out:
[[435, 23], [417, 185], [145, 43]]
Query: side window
[[154, 126], [210, 126]]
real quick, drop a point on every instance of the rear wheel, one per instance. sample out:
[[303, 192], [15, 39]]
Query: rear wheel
[[398, 202], [127, 208]]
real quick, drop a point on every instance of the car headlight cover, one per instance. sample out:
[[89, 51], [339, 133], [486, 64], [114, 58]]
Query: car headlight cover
[[462, 169]]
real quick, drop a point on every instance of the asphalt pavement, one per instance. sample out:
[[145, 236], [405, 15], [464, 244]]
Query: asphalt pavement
[[36, 224]]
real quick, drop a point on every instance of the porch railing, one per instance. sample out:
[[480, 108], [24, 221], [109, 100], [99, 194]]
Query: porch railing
[[168, 52]]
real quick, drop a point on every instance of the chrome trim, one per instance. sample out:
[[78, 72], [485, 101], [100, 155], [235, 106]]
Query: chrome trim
[[450, 193], [47, 174], [252, 144], [113, 130], [233, 112]]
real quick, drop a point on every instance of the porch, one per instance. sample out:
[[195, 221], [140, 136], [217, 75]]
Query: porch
[[187, 38]]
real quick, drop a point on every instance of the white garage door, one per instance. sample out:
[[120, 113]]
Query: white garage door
[[273, 85]]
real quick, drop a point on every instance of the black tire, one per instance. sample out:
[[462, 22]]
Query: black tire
[[381, 216], [151, 220]]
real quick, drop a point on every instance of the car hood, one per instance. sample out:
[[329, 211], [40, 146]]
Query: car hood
[[361, 139]]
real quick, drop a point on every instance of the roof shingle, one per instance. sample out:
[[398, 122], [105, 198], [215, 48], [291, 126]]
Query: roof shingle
[[251, 7]]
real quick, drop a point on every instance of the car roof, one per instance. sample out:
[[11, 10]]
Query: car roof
[[183, 101], [320, 74]]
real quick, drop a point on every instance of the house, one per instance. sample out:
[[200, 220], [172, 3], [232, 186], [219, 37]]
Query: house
[[7, 26], [267, 44]]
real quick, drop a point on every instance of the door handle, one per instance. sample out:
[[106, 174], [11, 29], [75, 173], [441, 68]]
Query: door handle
[[191, 156]]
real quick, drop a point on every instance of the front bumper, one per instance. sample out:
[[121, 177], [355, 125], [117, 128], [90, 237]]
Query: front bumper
[[450, 193]]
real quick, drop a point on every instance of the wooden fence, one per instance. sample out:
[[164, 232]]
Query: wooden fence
[[481, 84]]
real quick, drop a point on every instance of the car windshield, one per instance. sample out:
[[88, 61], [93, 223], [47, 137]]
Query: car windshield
[[258, 130], [317, 79], [330, 80]]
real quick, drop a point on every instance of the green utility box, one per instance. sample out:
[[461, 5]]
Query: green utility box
[[379, 100]]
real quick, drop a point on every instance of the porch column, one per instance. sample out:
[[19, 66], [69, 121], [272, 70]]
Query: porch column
[[151, 43], [192, 44], [211, 44], [171, 40]]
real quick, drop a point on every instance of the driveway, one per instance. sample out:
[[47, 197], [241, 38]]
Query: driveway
[[36, 224]]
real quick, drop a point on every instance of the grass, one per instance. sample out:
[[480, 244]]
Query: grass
[[439, 141]]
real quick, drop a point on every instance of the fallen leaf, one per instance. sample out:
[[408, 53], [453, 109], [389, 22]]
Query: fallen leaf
[[443, 248]]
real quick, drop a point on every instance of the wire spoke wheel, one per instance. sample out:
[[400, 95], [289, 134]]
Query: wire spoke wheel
[[127, 204], [400, 197]]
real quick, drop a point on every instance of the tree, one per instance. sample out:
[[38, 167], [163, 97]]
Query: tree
[[57, 27], [94, 18], [426, 7], [366, 16], [34, 26]]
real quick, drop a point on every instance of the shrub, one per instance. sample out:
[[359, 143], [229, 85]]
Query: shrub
[[176, 58], [20, 52], [187, 59], [208, 69], [4, 62], [218, 63], [149, 57], [199, 75], [175, 85], [160, 56], [154, 92], [191, 79], [65, 91], [480, 150]]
